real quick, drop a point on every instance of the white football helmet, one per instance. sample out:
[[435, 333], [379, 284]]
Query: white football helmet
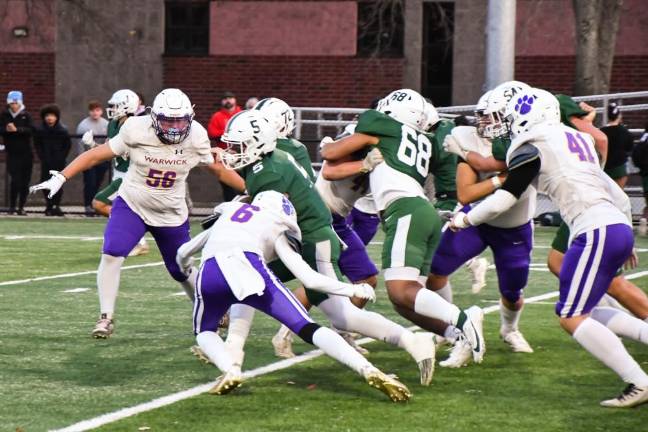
[[276, 203], [531, 108], [431, 116], [122, 103], [248, 135], [493, 113], [406, 106], [279, 113], [172, 114]]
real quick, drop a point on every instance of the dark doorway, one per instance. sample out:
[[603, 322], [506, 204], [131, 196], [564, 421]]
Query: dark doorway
[[436, 61]]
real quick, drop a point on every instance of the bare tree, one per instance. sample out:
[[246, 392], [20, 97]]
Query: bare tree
[[597, 25]]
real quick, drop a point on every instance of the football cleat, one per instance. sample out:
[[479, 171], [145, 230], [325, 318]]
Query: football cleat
[[478, 268], [282, 344], [424, 352], [104, 328], [517, 342], [350, 339], [396, 390], [473, 329], [200, 354], [630, 397], [226, 383], [460, 355]]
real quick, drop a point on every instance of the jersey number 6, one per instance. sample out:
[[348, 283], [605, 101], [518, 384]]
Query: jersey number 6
[[164, 179], [415, 149]]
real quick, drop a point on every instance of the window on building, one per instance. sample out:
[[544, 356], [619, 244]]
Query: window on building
[[380, 28], [436, 60], [186, 27]]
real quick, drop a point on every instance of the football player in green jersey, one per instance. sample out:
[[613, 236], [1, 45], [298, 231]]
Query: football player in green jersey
[[411, 224], [579, 117], [251, 147], [282, 116]]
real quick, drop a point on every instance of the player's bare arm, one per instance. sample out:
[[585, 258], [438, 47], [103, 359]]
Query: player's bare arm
[[600, 139], [347, 145], [470, 189], [484, 164], [229, 177]]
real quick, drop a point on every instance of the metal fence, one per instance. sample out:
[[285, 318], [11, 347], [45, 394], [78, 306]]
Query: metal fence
[[313, 123]]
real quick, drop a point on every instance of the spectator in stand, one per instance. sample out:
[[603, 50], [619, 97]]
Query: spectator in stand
[[16, 128], [216, 128], [52, 142], [620, 144], [249, 104], [89, 128]]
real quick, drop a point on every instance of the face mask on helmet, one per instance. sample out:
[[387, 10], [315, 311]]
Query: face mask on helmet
[[248, 136], [237, 154], [171, 130]]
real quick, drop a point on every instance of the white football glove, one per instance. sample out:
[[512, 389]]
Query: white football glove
[[54, 184], [325, 140], [185, 264], [364, 291], [452, 145], [373, 159], [88, 139], [459, 221]]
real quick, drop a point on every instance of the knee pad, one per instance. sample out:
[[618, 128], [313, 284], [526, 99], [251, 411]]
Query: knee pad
[[306, 332]]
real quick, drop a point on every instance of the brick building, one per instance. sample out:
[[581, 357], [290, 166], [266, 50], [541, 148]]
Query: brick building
[[308, 52]]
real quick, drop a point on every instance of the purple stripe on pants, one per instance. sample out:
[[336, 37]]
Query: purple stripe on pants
[[125, 228], [589, 265], [214, 297], [354, 261]]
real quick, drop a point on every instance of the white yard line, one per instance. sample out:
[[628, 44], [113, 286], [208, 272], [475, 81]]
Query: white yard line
[[50, 237], [203, 388], [83, 273]]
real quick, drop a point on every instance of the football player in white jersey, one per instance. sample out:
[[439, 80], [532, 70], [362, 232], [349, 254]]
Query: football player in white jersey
[[510, 235], [162, 148], [235, 251], [562, 163]]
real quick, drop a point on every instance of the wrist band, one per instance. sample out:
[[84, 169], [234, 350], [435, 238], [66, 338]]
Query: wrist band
[[497, 183]]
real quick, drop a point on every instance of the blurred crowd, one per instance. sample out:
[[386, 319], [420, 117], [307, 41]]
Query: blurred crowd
[[22, 136]]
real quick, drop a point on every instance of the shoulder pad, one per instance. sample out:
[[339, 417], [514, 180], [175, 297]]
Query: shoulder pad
[[523, 154]]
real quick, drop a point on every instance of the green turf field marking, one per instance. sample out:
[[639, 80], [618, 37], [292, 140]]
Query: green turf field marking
[[68, 275], [203, 388]]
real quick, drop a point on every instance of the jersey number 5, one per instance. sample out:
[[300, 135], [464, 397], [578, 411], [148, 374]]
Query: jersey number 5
[[415, 150]]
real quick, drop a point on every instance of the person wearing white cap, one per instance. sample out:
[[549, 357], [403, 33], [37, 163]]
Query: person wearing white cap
[[16, 129]]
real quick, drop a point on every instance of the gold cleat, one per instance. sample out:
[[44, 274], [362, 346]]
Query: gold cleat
[[426, 371], [195, 350], [226, 383], [396, 390]]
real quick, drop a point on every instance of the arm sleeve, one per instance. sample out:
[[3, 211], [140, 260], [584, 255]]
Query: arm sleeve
[[118, 143], [309, 277], [191, 247]]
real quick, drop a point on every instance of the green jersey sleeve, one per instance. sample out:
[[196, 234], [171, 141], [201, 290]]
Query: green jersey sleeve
[[444, 167], [119, 163], [569, 108], [377, 124], [500, 148], [299, 152], [263, 180]]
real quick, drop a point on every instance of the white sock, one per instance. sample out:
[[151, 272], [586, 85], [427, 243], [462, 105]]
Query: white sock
[[470, 262], [189, 286], [509, 319], [432, 305], [214, 348], [622, 324], [347, 317], [239, 327], [446, 292], [606, 346], [142, 241], [108, 283], [334, 346]]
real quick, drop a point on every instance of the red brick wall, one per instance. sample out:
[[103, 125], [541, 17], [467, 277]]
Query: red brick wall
[[300, 81], [32, 73], [556, 73]]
